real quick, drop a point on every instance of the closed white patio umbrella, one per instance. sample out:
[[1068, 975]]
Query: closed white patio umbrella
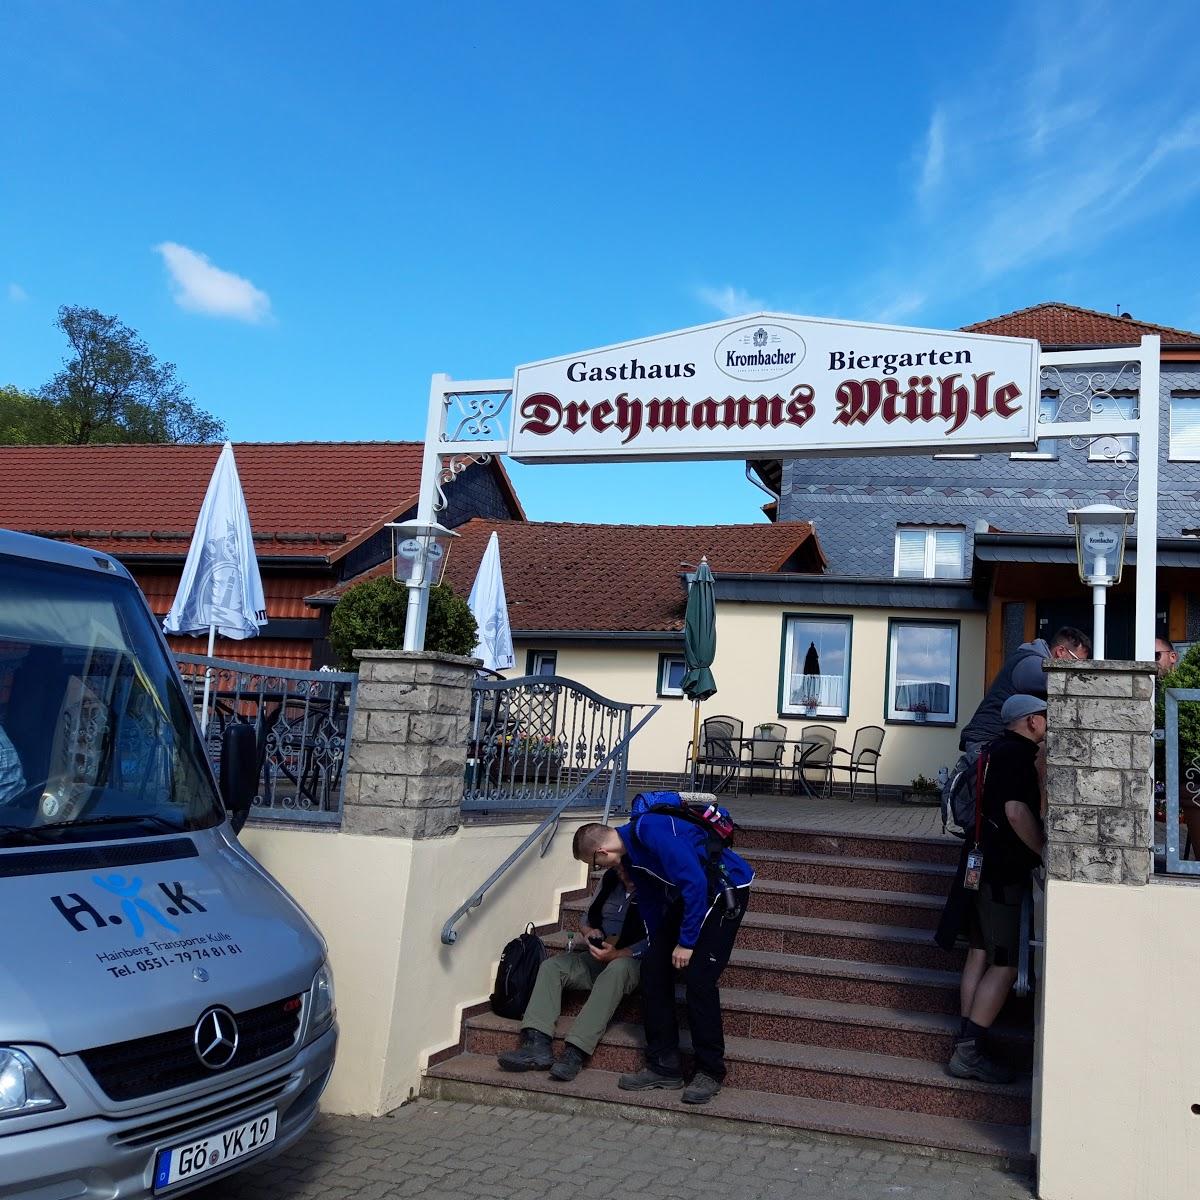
[[220, 590], [490, 608]]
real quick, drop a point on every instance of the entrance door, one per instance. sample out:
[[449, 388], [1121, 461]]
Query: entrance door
[[1053, 614]]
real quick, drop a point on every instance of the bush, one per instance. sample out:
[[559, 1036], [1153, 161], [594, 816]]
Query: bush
[[1185, 675], [371, 615]]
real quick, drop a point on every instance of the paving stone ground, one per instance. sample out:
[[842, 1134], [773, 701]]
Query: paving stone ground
[[839, 814], [446, 1151]]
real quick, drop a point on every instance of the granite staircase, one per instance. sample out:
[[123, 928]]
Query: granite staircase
[[839, 1011]]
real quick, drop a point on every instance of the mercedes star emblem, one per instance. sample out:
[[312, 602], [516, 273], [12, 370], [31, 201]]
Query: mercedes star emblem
[[216, 1038]]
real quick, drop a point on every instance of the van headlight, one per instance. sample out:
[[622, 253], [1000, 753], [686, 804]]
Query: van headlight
[[23, 1088], [321, 999]]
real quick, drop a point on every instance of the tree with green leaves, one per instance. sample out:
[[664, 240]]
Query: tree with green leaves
[[371, 616], [110, 388], [25, 420]]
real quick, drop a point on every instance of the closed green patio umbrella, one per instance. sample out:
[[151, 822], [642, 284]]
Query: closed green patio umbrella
[[699, 649]]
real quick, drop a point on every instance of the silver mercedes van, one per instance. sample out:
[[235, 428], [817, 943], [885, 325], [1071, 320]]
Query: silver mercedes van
[[166, 1009]]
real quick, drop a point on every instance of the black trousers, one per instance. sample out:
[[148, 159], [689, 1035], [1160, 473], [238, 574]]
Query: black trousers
[[703, 997]]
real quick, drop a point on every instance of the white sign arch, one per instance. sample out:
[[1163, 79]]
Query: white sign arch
[[773, 385]]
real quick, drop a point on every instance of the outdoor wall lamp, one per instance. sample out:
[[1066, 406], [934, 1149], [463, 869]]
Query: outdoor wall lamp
[[418, 550], [1100, 554]]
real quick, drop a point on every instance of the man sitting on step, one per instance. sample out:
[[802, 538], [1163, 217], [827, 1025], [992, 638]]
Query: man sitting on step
[[691, 924], [615, 939]]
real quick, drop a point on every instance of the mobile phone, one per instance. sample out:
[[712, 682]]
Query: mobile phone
[[597, 940]]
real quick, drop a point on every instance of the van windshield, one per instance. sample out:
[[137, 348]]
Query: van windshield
[[95, 738]]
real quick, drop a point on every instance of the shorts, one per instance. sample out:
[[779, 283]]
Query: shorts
[[994, 923]]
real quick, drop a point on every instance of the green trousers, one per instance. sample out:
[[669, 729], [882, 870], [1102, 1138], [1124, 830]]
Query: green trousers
[[606, 983]]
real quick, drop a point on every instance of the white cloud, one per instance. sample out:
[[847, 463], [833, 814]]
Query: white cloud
[[731, 301], [200, 287], [16, 293], [899, 307], [933, 164], [1020, 169]]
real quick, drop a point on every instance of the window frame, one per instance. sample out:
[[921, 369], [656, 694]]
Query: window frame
[[1172, 456], [1126, 441], [930, 558], [939, 722], [664, 690], [533, 657], [784, 711], [1040, 455]]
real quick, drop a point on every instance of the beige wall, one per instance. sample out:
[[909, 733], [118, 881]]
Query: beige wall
[[381, 903], [1120, 1043], [747, 673]]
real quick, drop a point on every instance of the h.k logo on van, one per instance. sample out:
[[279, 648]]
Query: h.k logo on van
[[135, 909]]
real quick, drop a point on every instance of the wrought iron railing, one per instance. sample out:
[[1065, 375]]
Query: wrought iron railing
[[549, 824], [302, 720], [1182, 728], [534, 739]]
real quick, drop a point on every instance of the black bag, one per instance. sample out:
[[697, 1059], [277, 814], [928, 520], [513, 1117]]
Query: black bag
[[960, 796], [517, 974]]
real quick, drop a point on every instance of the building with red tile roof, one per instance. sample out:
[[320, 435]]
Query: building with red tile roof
[[574, 582], [1060, 326], [318, 511]]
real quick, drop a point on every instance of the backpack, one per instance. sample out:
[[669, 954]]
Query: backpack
[[517, 974], [960, 796], [712, 818]]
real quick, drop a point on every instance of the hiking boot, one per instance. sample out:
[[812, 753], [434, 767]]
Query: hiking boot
[[647, 1078], [969, 1062], [568, 1064], [701, 1090], [536, 1053]]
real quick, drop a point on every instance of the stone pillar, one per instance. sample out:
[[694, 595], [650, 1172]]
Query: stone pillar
[[1099, 772], [408, 745]]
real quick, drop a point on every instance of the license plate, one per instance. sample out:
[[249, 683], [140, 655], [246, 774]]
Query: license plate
[[213, 1152]]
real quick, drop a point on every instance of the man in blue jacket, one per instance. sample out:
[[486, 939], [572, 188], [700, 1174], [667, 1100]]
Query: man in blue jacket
[[690, 926]]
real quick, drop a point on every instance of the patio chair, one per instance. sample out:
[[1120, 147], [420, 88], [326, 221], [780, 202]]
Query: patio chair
[[720, 752], [764, 753], [861, 759], [814, 756]]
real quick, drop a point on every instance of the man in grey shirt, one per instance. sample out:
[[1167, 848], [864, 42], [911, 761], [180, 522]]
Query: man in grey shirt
[[614, 939], [1021, 674]]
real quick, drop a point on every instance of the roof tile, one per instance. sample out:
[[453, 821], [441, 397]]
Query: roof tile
[[304, 498], [613, 578], [1055, 324]]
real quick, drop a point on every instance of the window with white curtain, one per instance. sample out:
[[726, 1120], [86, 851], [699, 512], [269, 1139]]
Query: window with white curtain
[[923, 552], [1108, 448], [816, 666], [1185, 428], [922, 676], [1047, 448]]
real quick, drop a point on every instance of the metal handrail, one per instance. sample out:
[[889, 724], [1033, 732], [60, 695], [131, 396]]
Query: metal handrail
[[550, 822]]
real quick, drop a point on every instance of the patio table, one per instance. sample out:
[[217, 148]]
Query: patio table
[[745, 748]]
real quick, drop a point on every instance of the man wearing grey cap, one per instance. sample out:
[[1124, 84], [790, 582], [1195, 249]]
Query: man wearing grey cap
[[988, 910]]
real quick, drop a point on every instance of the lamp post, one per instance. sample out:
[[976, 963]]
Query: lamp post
[[418, 549], [1100, 554]]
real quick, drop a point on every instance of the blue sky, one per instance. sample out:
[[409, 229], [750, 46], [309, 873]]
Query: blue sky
[[311, 208]]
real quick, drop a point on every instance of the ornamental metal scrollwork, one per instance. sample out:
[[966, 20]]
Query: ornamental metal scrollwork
[[301, 721], [1081, 396], [534, 739], [478, 415]]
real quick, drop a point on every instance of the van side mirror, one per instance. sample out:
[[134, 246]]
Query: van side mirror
[[239, 771]]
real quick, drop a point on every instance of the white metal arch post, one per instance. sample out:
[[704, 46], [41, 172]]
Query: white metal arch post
[[471, 420]]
